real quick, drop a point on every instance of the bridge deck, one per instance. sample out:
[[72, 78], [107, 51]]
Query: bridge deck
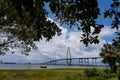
[[81, 61]]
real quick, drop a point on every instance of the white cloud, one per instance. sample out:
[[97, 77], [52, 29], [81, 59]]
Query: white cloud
[[107, 32], [59, 45]]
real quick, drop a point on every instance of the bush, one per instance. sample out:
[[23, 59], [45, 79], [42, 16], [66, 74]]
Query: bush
[[91, 72], [92, 78], [106, 73], [83, 78], [118, 73], [98, 78], [107, 70], [67, 77]]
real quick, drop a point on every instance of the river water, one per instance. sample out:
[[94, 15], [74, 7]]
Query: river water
[[36, 66]]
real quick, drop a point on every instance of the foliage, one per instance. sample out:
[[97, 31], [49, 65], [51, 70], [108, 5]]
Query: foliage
[[110, 55], [22, 22], [118, 71], [82, 13], [25, 21], [106, 73], [116, 43], [91, 72], [114, 13], [107, 70]]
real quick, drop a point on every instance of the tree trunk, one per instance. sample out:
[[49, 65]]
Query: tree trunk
[[118, 77], [113, 68], [113, 65]]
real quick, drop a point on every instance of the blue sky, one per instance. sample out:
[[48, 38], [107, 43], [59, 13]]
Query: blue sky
[[69, 38], [104, 5]]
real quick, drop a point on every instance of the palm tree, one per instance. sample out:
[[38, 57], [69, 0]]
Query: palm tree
[[109, 53], [116, 43]]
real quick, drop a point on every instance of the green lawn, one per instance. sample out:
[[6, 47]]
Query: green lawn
[[55, 74]]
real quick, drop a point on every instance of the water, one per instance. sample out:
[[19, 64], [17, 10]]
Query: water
[[19, 66], [36, 66]]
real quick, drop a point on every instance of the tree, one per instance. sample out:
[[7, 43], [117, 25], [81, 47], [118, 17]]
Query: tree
[[116, 43], [24, 21], [82, 13], [110, 54], [114, 13]]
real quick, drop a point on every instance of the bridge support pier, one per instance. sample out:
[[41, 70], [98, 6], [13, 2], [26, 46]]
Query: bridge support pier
[[86, 61], [80, 61], [69, 60], [54, 62], [94, 62]]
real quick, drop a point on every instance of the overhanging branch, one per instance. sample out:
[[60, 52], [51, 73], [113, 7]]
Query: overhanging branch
[[6, 43]]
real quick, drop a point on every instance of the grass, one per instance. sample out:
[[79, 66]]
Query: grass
[[51, 74], [114, 78]]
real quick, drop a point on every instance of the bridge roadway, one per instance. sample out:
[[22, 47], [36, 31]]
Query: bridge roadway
[[88, 61]]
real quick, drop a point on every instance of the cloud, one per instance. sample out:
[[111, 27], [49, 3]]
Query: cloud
[[58, 45], [107, 32]]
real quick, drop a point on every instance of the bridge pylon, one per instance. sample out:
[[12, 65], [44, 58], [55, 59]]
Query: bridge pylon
[[54, 58], [68, 57]]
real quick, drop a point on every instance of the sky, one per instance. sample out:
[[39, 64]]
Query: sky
[[59, 44]]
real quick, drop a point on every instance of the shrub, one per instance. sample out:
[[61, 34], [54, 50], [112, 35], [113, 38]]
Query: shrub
[[91, 72], [106, 73], [118, 73], [67, 77], [107, 70], [83, 78], [98, 78]]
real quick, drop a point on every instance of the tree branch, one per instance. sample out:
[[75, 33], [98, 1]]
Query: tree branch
[[6, 43]]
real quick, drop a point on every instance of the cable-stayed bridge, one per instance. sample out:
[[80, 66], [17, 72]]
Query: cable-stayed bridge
[[86, 61]]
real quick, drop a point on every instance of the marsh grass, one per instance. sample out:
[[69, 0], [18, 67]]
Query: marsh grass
[[53, 74]]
